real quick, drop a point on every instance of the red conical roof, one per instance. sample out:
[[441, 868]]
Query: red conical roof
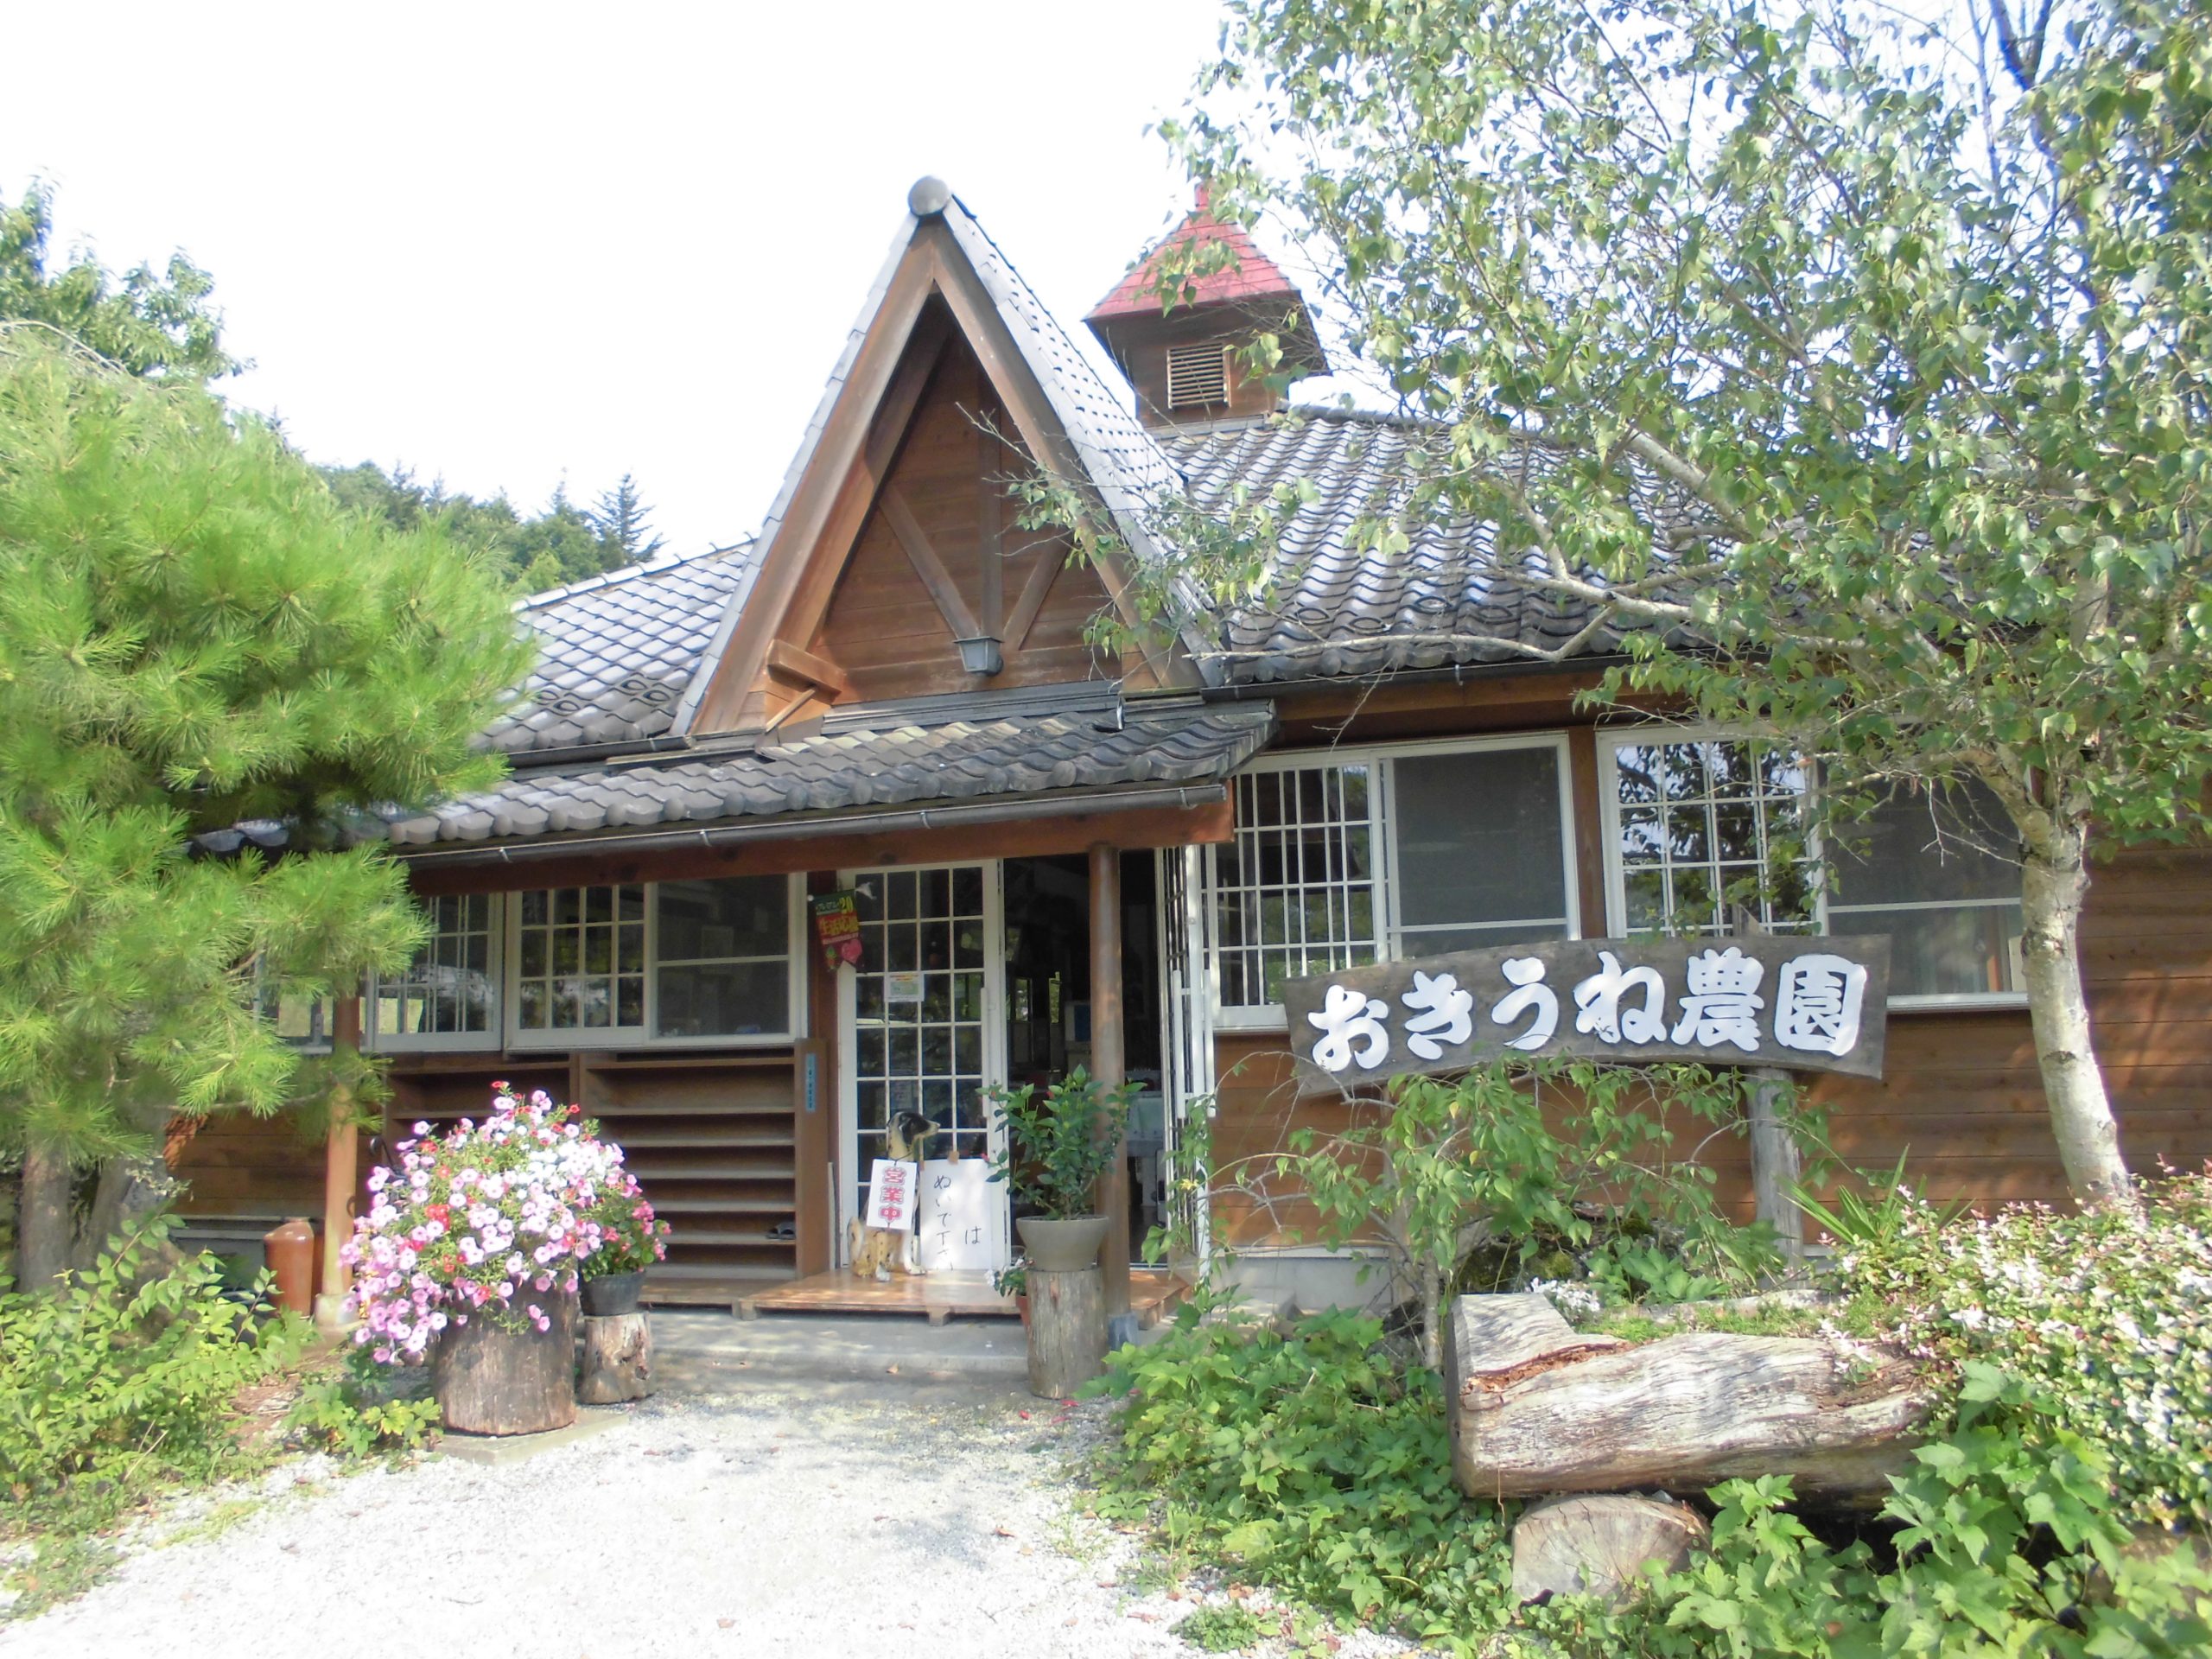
[[1254, 276]]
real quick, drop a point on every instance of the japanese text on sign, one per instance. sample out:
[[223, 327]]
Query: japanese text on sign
[[1805, 1004]]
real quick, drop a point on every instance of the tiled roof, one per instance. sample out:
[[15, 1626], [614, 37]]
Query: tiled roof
[[915, 753], [1334, 607], [1252, 275], [616, 653]]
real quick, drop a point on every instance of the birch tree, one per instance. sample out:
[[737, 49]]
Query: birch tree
[[1908, 322]]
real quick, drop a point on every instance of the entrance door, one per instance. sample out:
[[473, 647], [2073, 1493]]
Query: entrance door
[[920, 1024]]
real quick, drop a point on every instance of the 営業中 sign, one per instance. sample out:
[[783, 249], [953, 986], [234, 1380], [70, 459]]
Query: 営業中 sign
[[1808, 1004]]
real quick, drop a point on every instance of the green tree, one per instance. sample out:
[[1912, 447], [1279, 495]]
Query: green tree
[[195, 635], [622, 520], [1906, 325], [157, 323], [562, 544]]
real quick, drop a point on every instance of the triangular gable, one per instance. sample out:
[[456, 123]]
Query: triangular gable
[[944, 279]]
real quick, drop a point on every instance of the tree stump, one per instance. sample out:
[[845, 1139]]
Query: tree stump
[[1538, 1407], [490, 1381], [1599, 1546], [618, 1359], [1067, 1331]]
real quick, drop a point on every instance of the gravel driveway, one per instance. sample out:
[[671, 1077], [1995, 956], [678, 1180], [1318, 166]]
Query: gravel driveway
[[738, 1515]]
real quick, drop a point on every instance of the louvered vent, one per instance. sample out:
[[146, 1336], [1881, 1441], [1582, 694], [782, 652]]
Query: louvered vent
[[1196, 374]]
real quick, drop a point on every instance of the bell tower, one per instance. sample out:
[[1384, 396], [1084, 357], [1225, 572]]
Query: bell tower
[[1183, 361]]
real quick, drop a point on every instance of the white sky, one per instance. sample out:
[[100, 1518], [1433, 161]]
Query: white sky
[[505, 244]]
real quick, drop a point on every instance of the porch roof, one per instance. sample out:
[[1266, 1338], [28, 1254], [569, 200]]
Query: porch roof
[[1072, 743]]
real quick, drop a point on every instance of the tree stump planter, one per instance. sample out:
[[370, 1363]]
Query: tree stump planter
[[617, 1362], [1538, 1407], [492, 1381], [1067, 1331]]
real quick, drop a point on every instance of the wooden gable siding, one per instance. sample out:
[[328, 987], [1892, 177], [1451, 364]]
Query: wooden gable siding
[[1962, 1098], [885, 630]]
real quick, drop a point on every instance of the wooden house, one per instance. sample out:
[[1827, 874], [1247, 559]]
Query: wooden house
[[1060, 852]]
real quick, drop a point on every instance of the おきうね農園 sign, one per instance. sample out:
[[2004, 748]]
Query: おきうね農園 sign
[[1807, 1004]]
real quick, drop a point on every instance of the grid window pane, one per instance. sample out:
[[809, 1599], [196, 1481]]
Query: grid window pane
[[1295, 894], [1708, 825], [723, 965], [448, 989], [582, 959]]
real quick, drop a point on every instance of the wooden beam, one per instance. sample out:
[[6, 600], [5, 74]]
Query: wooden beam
[[785, 562], [804, 665], [1108, 1064], [930, 568], [1073, 832], [1034, 593]]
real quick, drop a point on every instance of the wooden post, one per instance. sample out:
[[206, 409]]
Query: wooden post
[[341, 1175], [1774, 1166], [1109, 1065]]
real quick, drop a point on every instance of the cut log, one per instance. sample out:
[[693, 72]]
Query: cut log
[[1599, 1546], [1539, 1408], [490, 1381], [618, 1359], [1067, 1331]]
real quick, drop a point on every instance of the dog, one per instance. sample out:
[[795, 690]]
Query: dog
[[879, 1252]]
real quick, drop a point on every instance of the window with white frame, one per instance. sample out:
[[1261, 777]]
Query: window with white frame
[[1401, 852], [580, 959], [676, 962], [449, 997], [1699, 822], [1930, 872]]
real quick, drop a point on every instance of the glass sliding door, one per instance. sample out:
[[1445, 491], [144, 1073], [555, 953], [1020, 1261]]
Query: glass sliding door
[[918, 1020]]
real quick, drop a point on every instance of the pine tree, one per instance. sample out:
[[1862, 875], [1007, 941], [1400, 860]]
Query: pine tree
[[621, 519], [195, 635]]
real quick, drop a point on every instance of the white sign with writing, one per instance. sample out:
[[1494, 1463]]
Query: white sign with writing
[[958, 1229], [891, 1194]]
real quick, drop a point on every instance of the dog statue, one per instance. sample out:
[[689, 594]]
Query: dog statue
[[879, 1252]]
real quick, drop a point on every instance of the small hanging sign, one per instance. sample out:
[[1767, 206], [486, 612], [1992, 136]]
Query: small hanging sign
[[837, 927], [902, 988], [892, 1195]]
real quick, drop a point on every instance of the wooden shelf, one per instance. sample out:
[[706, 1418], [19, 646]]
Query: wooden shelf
[[653, 1172], [722, 1206], [658, 1139], [691, 1108]]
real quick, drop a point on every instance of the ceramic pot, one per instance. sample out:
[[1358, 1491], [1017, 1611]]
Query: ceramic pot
[[1067, 1246], [613, 1292]]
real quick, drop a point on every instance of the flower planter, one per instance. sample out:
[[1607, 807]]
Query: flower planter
[[1062, 1246], [1021, 1306], [489, 1380], [612, 1293]]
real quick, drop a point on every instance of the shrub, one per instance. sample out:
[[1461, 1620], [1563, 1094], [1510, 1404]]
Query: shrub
[[1057, 1147], [2105, 1315], [1312, 1462], [121, 1378], [356, 1409]]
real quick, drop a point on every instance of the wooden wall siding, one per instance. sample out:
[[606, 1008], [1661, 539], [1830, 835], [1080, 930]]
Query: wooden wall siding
[[885, 629], [236, 1165], [1962, 1098]]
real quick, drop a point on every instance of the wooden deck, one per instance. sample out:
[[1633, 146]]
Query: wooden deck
[[938, 1296]]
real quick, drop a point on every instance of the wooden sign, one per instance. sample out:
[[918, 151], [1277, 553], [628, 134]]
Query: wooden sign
[[1806, 1004]]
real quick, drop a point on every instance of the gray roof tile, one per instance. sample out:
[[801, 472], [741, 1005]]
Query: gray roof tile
[[616, 653], [1099, 744]]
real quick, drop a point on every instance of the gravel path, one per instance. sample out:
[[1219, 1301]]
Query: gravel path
[[745, 1518]]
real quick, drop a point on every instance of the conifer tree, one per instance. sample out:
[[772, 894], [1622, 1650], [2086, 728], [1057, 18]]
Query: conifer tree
[[195, 636]]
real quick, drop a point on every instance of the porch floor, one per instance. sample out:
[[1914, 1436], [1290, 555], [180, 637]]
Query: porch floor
[[1153, 1293]]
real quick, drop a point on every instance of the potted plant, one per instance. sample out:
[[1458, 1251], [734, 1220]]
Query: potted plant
[[469, 1255], [1056, 1149], [630, 1240]]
